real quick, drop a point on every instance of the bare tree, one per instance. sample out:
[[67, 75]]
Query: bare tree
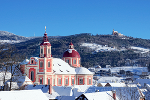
[[9, 62]]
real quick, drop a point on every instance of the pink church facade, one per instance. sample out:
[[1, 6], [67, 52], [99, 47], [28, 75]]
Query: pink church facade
[[54, 71]]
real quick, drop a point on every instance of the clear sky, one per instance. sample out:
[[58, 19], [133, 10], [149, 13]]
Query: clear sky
[[69, 17]]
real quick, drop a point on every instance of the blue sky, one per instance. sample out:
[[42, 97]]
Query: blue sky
[[69, 17]]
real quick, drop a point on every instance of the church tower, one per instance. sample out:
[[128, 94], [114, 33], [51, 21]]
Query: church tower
[[45, 47]]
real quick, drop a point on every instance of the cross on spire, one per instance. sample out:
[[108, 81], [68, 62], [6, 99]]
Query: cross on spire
[[45, 29]]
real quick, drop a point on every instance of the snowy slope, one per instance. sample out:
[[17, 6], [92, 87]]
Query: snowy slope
[[140, 49], [99, 48], [7, 37]]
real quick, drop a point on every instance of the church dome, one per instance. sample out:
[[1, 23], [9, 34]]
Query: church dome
[[71, 52]]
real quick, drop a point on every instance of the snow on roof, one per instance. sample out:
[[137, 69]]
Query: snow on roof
[[107, 95], [36, 59], [118, 84], [109, 79], [23, 95], [24, 62], [122, 93], [24, 80], [44, 88], [82, 70], [81, 88], [142, 81], [61, 67], [63, 91], [53, 95], [66, 98]]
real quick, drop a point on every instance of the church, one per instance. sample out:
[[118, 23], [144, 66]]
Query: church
[[55, 71]]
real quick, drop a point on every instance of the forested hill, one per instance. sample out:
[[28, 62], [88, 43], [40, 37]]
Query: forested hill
[[94, 49], [114, 50]]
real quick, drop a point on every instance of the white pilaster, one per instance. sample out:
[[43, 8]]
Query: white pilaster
[[70, 80], [62, 80], [85, 79]]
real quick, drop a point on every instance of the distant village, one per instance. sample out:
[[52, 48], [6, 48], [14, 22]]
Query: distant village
[[48, 78]]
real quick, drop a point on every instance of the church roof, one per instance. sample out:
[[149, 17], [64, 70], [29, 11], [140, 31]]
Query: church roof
[[82, 70], [71, 53], [61, 67]]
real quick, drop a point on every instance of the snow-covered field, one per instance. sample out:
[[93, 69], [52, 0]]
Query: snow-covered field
[[10, 41], [97, 47], [137, 70], [142, 50]]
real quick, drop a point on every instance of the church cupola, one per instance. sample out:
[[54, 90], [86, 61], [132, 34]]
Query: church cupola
[[45, 46], [70, 45], [72, 57]]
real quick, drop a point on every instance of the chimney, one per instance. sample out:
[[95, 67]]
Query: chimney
[[50, 89], [114, 94]]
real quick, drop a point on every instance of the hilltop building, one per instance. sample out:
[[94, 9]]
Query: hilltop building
[[116, 33], [54, 71]]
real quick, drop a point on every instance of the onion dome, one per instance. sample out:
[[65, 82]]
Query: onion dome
[[71, 52], [45, 39]]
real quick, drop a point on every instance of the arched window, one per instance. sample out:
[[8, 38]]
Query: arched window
[[48, 64], [32, 75], [41, 50]]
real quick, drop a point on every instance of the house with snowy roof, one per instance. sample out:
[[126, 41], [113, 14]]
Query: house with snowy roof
[[23, 95], [55, 71]]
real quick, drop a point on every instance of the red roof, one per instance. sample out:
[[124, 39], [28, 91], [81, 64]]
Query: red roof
[[45, 43], [71, 53], [45, 40], [70, 43]]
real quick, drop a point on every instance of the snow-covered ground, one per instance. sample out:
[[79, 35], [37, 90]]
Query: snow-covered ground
[[99, 48], [10, 41], [142, 50], [136, 70]]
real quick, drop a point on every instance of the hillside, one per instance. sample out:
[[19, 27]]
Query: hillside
[[7, 37], [105, 49]]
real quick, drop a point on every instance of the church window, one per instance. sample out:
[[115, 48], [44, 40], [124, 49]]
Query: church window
[[72, 80], [32, 75], [32, 62], [40, 80], [59, 81], [41, 64], [81, 81], [48, 64], [48, 51], [66, 81], [41, 50], [74, 61], [67, 61], [89, 80], [48, 81]]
